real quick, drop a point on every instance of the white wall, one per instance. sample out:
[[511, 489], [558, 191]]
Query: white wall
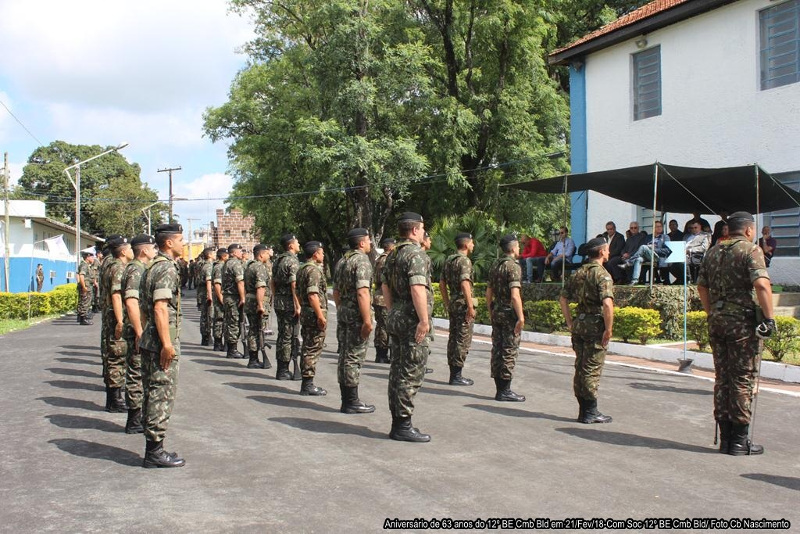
[[714, 113]]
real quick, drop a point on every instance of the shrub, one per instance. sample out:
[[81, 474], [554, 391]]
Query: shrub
[[544, 316], [636, 323], [786, 340], [697, 328], [59, 300]]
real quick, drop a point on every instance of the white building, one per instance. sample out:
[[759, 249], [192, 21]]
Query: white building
[[697, 83], [28, 232]]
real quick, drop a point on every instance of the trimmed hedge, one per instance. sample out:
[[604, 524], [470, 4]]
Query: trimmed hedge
[[697, 328], [636, 323], [786, 340], [60, 300]]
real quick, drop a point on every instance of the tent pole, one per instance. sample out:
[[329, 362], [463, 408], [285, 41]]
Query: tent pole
[[653, 230], [564, 249], [758, 201]]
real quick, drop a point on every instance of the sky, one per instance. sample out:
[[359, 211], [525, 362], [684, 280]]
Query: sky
[[99, 72]]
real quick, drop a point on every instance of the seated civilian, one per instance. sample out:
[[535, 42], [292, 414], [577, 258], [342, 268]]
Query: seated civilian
[[563, 251], [532, 249], [768, 244], [631, 246], [697, 243], [705, 226], [674, 234], [615, 242], [645, 253], [718, 227]]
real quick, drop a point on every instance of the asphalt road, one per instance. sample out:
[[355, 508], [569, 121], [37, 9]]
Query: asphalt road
[[262, 458]]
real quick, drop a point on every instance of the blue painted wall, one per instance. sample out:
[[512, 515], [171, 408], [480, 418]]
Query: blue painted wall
[[578, 148], [23, 279]]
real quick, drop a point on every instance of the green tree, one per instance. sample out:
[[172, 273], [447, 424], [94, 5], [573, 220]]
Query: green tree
[[118, 209]]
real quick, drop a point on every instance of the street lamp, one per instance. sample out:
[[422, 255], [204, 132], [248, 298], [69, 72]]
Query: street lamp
[[76, 183], [146, 212]]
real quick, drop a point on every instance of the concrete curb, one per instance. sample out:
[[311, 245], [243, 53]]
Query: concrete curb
[[702, 360]]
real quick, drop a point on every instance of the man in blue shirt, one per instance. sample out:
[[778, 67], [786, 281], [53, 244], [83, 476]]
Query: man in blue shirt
[[562, 251]]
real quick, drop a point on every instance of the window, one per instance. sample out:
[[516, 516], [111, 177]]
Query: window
[[244, 234], [647, 83], [780, 44], [227, 233], [786, 224]]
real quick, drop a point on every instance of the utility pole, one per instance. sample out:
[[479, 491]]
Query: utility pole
[[170, 188], [7, 251], [189, 220]]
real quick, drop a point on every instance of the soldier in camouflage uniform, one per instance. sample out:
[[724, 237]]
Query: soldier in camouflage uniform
[[456, 289], [255, 284], [312, 292], [143, 251], [233, 294], [730, 271], [99, 267], [94, 276], [351, 294], [381, 312], [205, 291], [406, 285], [85, 288], [114, 361], [268, 296], [593, 288], [160, 344], [287, 305], [504, 299], [218, 300]]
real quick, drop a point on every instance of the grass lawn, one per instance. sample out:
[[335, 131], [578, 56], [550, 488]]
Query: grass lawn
[[10, 325]]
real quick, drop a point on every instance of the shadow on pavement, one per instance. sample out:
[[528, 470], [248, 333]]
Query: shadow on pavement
[[264, 388], [79, 347], [244, 372], [633, 440], [98, 451], [88, 423], [792, 483], [64, 402], [222, 362], [329, 427], [293, 403], [73, 372], [71, 384], [456, 391], [516, 412], [78, 361], [671, 389], [94, 355]]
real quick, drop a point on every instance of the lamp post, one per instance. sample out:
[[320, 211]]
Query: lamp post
[[76, 183], [146, 212]]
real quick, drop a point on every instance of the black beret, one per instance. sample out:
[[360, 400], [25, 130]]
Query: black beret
[[221, 252], [171, 228], [143, 239], [311, 247], [508, 238], [463, 236], [116, 241], [410, 216], [258, 248], [207, 250], [741, 215], [386, 241], [427, 235], [86, 254], [286, 239], [234, 246], [597, 242], [357, 232]]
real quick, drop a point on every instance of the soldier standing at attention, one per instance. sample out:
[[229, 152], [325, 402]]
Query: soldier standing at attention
[[268, 296], [312, 292], [120, 254], [143, 253], [85, 287], [456, 289], [255, 283], [728, 274], [203, 272], [233, 294], [218, 299], [287, 305], [381, 312], [351, 294], [96, 270], [406, 285], [593, 288], [504, 300]]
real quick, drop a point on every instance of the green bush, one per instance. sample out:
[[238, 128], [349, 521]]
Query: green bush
[[59, 300], [636, 323], [697, 328], [544, 316], [786, 340]]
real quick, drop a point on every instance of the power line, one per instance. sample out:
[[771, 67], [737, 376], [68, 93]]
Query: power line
[[20, 123]]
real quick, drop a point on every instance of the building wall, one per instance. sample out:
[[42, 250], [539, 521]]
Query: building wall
[[233, 227], [714, 113]]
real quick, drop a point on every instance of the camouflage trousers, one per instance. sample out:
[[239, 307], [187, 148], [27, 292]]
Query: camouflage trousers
[[313, 341], [505, 345], [407, 370], [460, 339], [254, 322], [95, 298], [159, 388], [133, 375], [287, 321], [84, 302], [381, 338], [352, 347], [114, 367], [218, 319], [205, 317], [590, 356], [736, 350], [233, 315]]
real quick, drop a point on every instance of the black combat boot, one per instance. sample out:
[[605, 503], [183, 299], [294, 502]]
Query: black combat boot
[[402, 430], [233, 353], [156, 456], [134, 424], [456, 379], [204, 342], [283, 371], [740, 444], [308, 388], [504, 392], [581, 410], [217, 344], [85, 321], [382, 355], [109, 399], [351, 404], [254, 362], [592, 414], [117, 401], [266, 363], [724, 436], [428, 370]]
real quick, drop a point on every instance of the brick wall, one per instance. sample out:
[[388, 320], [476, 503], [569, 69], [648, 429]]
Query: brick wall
[[234, 227]]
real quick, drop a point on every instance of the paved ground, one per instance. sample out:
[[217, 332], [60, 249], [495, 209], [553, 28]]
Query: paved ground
[[261, 458]]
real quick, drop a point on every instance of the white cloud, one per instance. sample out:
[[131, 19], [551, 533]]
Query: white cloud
[[212, 187]]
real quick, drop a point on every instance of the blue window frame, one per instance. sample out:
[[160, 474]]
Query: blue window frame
[[780, 44]]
